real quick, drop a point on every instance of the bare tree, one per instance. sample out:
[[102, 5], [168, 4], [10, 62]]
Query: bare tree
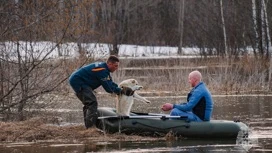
[[26, 72], [181, 22], [268, 40], [254, 16], [113, 17], [224, 28]]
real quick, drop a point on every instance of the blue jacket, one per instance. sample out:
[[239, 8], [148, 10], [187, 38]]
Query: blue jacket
[[199, 101], [93, 75]]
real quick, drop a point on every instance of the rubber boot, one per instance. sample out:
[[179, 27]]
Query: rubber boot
[[90, 117]]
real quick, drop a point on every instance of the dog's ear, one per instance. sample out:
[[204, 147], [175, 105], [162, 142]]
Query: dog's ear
[[127, 91]]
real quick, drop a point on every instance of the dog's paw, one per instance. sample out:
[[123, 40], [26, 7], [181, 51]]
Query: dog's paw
[[148, 102]]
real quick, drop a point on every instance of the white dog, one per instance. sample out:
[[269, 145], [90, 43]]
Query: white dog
[[124, 102]]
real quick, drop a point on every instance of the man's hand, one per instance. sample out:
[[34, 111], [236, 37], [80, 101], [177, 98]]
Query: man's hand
[[127, 91], [167, 107]]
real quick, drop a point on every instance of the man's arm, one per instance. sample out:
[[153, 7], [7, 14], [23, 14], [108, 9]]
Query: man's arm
[[110, 86], [193, 100], [106, 81]]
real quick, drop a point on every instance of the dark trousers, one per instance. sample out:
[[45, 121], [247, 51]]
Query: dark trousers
[[88, 99]]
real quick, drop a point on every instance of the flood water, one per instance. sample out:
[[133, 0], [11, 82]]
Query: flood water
[[253, 110]]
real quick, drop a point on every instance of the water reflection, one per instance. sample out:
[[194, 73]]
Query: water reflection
[[145, 146], [139, 146], [255, 111]]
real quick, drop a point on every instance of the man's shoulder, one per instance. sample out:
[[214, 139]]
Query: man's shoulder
[[201, 88], [97, 66]]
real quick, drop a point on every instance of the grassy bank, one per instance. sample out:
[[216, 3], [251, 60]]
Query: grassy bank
[[41, 130]]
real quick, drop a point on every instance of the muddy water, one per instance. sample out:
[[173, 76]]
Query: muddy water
[[254, 110]]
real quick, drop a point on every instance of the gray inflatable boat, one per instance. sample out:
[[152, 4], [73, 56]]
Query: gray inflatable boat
[[149, 124]]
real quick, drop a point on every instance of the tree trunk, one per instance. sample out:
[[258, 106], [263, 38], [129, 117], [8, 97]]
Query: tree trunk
[[254, 17], [268, 41], [224, 29], [181, 22]]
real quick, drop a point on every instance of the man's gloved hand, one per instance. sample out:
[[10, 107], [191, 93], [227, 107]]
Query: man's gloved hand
[[127, 91]]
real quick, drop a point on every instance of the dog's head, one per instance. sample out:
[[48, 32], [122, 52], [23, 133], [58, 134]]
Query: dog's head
[[131, 83]]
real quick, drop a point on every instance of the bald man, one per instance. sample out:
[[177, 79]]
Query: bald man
[[199, 103]]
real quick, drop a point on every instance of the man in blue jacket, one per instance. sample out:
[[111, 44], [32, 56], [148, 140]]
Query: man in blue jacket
[[86, 79], [199, 103]]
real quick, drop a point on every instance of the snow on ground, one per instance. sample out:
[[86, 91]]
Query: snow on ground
[[97, 50], [41, 49]]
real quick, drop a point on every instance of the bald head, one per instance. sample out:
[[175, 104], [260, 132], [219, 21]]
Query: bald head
[[194, 78]]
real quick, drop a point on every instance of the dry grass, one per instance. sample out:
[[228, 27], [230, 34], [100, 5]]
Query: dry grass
[[241, 76], [36, 129], [222, 76]]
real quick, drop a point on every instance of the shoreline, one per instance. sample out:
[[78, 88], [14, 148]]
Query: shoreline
[[36, 130]]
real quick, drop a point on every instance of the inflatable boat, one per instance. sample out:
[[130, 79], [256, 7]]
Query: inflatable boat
[[150, 124]]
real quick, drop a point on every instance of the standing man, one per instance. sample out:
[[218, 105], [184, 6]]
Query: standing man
[[86, 79], [199, 103]]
